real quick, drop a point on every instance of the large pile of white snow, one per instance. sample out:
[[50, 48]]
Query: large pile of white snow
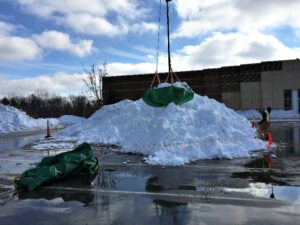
[[174, 135], [15, 120], [70, 119]]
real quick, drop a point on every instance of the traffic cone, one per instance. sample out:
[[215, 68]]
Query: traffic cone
[[270, 139], [48, 130], [272, 194]]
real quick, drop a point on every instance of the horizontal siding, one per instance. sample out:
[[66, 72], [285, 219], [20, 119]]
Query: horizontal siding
[[210, 82]]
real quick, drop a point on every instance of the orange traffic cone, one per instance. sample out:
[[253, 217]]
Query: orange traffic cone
[[48, 130], [270, 139]]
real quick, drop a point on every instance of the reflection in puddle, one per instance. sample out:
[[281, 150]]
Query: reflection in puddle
[[120, 180], [287, 193], [152, 185], [53, 144], [167, 204], [105, 179], [260, 176], [85, 198], [287, 135], [274, 173], [10, 144]]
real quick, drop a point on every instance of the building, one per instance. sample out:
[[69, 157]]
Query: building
[[247, 86]]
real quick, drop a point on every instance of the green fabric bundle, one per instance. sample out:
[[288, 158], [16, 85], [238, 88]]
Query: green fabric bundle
[[78, 162], [161, 97]]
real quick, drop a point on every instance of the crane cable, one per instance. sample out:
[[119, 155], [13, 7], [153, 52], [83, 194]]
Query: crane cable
[[157, 47], [171, 74]]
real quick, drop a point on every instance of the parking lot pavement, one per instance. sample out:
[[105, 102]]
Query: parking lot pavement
[[263, 189]]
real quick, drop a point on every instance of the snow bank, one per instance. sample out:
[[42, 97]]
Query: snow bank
[[14, 120], [70, 119], [200, 129]]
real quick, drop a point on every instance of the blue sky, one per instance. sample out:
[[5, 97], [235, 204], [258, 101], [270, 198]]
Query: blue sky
[[45, 44]]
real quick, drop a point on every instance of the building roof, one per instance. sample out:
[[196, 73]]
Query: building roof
[[238, 69]]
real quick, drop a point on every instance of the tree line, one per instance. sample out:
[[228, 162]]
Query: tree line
[[42, 104]]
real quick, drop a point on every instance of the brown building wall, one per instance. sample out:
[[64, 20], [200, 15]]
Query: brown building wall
[[211, 82], [274, 83]]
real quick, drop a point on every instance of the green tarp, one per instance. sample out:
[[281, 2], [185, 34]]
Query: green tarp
[[79, 162], [160, 97]]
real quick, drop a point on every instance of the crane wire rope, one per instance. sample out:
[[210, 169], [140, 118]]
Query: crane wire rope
[[157, 46]]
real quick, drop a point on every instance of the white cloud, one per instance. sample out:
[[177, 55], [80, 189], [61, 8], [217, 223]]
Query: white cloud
[[234, 49], [90, 24], [144, 27], [95, 25], [16, 49], [96, 17], [61, 41], [215, 51], [47, 8], [115, 69], [19, 49], [203, 16], [131, 55], [59, 83], [127, 8], [6, 28], [144, 49]]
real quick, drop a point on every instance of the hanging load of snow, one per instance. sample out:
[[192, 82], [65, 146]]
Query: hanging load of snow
[[173, 135], [165, 93], [15, 120]]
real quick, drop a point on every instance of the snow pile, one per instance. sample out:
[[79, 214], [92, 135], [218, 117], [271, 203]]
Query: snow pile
[[14, 120], [70, 119], [176, 84], [200, 129]]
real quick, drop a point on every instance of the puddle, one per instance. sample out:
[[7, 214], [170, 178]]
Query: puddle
[[128, 191], [286, 193], [119, 180], [13, 143]]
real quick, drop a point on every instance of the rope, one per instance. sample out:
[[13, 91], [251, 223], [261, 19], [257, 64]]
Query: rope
[[158, 37], [168, 36], [174, 77], [156, 76]]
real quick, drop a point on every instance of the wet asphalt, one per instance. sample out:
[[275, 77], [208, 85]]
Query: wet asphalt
[[263, 189]]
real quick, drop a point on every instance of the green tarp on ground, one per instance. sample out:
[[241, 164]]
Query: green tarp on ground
[[79, 162], [160, 97]]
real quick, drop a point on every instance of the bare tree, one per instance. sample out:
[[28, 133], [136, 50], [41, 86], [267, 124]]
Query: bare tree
[[93, 82]]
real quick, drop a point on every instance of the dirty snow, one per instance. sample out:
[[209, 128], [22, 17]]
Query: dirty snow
[[200, 129]]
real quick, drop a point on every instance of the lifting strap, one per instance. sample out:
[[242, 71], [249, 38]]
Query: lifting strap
[[172, 77]]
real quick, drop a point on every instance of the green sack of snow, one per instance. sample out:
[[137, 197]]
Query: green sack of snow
[[160, 97], [78, 162]]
